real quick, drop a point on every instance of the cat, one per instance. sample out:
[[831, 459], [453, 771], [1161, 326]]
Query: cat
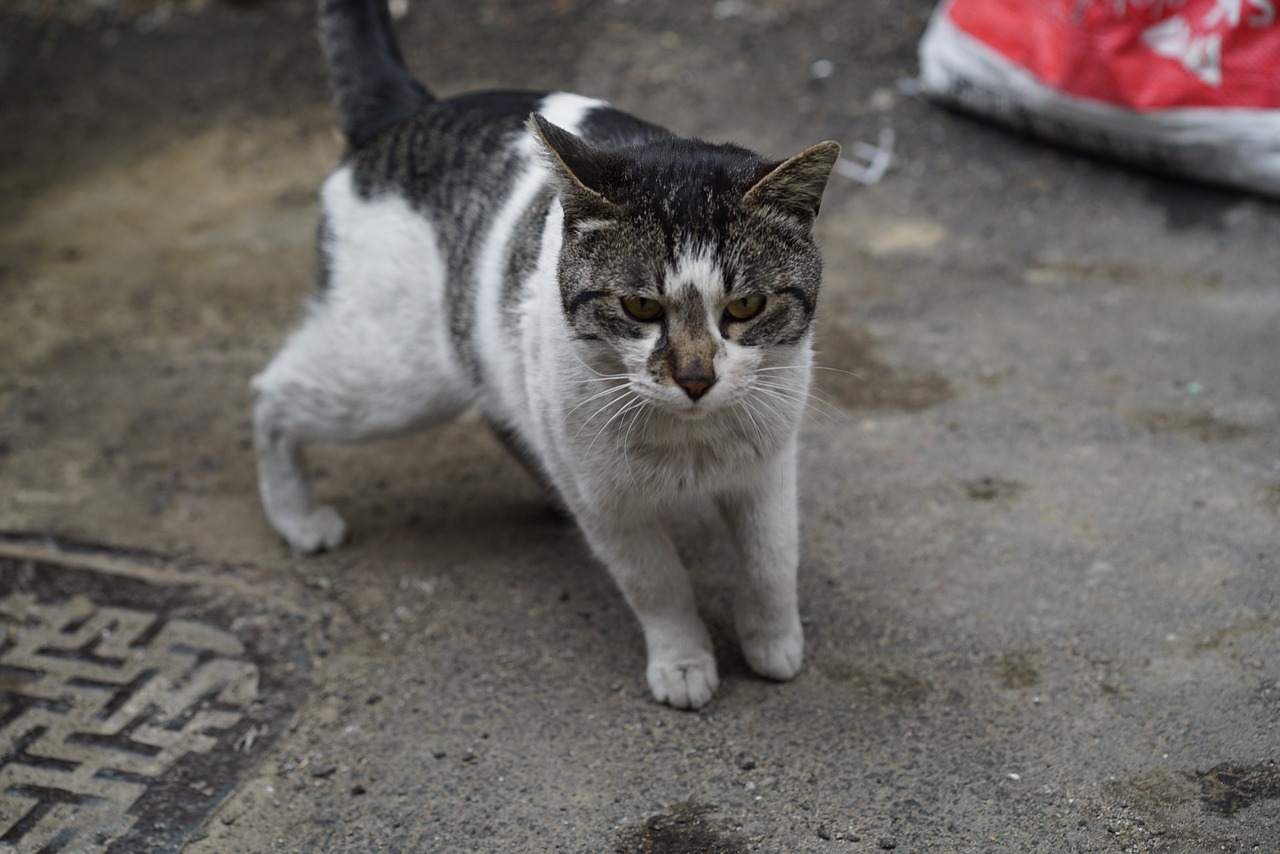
[[631, 311]]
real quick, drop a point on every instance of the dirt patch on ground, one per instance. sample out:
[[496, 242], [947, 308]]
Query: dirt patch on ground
[[1229, 787], [1198, 425], [851, 376], [1051, 270], [992, 489], [685, 827], [896, 688], [1018, 670], [1271, 497], [1182, 810]]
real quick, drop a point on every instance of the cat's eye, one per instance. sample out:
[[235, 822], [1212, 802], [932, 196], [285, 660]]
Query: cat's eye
[[744, 308], [642, 308]]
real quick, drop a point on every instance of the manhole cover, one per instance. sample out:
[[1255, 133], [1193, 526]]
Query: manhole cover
[[133, 696]]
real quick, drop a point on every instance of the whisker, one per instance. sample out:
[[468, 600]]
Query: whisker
[[853, 374], [602, 378], [591, 369], [811, 401], [604, 407], [811, 406], [638, 401], [581, 403], [626, 441], [761, 437], [785, 388], [773, 401], [755, 425]]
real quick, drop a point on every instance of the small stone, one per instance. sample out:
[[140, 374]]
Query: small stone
[[888, 844], [358, 789], [823, 833], [882, 100]]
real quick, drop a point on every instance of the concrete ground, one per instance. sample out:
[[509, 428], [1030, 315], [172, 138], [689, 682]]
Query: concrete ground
[[1041, 510]]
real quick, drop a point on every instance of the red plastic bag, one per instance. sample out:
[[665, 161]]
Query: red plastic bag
[[1190, 86]]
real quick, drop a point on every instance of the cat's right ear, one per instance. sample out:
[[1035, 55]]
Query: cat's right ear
[[795, 186], [580, 167]]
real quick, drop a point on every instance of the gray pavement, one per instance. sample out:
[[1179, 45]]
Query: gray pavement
[[1041, 532]]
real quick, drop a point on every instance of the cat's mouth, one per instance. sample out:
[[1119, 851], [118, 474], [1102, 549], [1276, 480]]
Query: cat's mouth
[[691, 410]]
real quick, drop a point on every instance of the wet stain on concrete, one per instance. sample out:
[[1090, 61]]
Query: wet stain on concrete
[[1200, 810], [1230, 787], [129, 708], [992, 489], [895, 688], [850, 375], [1191, 207], [1198, 425], [1057, 270], [904, 689], [1252, 625], [1271, 497], [1017, 670], [685, 828]]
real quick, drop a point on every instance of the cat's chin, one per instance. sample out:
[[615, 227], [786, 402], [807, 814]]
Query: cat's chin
[[693, 410]]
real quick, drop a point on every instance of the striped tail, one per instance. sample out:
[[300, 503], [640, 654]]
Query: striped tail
[[373, 88]]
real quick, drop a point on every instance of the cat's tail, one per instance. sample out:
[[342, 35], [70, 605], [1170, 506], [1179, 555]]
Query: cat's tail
[[374, 89]]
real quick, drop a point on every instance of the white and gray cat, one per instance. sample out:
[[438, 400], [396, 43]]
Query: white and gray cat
[[630, 310]]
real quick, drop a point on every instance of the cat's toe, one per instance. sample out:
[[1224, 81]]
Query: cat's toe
[[318, 531], [684, 684], [778, 657]]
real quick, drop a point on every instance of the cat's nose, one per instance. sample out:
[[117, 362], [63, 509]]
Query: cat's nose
[[697, 385]]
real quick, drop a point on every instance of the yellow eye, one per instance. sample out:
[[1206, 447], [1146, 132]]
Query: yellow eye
[[642, 308], [744, 308]]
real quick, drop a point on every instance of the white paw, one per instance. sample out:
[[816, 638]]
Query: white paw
[[684, 683], [319, 530], [776, 656]]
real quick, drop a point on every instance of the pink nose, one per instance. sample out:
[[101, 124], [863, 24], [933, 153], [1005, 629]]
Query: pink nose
[[696, 386]]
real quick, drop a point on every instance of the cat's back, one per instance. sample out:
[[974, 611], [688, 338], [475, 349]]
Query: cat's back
[[465, 174], [463, 152]]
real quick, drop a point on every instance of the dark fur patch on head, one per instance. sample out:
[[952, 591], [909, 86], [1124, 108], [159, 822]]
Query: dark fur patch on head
[[664, 198], [685, 193]]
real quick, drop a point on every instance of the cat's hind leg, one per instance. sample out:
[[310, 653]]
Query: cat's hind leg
[[279, 435], [374, 357], [335, 383]]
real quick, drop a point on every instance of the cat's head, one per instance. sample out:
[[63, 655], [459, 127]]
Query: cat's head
[[693, 266]]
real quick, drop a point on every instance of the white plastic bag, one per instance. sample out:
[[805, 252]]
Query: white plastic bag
[[1186, 86]]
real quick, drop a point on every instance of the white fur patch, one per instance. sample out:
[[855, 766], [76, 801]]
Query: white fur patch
[[384, 307], [696, 269], [497, 358], [564, 109]]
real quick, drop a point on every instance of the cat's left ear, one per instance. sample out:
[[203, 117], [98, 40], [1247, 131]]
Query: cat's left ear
[[580, 166], [795, 185]]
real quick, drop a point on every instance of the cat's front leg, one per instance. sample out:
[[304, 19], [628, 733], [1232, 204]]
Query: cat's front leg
[[642, 559], [763, 520]]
